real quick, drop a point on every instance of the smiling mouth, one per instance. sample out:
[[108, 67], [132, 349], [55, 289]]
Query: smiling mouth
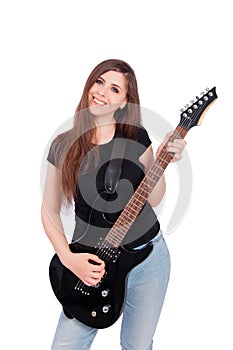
[[98, 102]]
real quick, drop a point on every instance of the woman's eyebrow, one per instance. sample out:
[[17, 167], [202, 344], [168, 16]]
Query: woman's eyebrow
[[111, 83]]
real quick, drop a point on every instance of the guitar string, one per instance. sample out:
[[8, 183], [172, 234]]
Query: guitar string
[[184, 124], [142, 190], [103, 250], [163, 155]]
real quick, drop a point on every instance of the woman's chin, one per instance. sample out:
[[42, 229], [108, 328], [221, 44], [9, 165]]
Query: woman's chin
[[107, 109]]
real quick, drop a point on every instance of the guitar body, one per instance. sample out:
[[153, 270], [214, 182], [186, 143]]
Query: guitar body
[[99, 306]]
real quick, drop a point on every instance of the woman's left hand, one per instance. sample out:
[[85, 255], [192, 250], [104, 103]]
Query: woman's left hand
[[176, 147]]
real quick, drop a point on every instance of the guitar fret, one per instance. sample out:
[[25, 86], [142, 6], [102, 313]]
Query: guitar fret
[[135, 205], [124, 223], [116, 235], [161, 160], [121, 232], [113, 241], [140, 197], [150, 185], [140, 202], [152, 179], [158, 167], [159, 164], [132, 211], [156, 170], [130, 215], [123, 226], [147, 181]]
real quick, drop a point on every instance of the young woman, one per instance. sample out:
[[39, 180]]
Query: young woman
[[77, 162]]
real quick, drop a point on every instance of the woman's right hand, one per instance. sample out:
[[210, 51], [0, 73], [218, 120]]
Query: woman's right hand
[[89, 268]]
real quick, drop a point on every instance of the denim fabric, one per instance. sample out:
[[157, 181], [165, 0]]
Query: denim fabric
[[146, 289]]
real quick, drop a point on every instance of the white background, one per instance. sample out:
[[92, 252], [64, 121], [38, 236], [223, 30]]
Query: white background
[[176, 48]]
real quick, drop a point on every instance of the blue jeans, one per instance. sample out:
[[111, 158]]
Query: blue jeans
[[146, 289]]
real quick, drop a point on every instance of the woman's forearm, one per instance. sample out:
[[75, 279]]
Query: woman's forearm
[[54, 230]]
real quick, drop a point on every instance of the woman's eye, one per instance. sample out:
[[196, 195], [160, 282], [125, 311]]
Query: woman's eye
[[114, 89], [99, 81]]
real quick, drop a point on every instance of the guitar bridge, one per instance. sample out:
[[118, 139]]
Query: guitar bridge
[[82, 288]]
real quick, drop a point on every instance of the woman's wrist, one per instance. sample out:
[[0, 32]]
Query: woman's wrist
[[65, 256]]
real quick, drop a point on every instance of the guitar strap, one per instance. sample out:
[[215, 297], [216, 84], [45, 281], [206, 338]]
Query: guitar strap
[[113, 171]]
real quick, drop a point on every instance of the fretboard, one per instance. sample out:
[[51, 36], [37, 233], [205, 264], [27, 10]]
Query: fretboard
[[140, 196]]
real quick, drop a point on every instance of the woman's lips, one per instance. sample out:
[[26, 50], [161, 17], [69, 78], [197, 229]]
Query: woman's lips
[[98, 102]]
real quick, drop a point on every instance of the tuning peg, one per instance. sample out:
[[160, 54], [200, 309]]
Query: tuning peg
[[207, 89], [192, 101], [181, 110], [202, 93], [186, 106]]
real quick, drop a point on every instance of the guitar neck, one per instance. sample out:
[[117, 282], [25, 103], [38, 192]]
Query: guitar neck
[[140, 196]]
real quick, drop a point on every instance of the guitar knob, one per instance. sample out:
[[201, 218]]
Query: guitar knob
[[105, 292], [106, 308]]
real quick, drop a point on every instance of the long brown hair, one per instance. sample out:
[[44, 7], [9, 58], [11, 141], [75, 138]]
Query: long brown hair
[[72, 146]]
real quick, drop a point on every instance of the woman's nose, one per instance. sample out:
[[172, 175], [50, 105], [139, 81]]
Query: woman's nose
[[102, 90]]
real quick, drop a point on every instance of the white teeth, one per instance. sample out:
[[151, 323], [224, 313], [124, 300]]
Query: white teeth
[[99, 102]]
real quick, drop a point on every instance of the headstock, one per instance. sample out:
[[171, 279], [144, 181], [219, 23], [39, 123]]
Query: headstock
[[192, 115]]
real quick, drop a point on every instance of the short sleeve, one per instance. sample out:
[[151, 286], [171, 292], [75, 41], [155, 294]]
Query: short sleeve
[[53, 154], [50, 157], [142, 137]]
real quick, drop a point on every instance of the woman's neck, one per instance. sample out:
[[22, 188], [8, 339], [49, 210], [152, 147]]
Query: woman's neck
[[104, 131]]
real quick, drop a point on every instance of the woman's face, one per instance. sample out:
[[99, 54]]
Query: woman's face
[[108, 93]]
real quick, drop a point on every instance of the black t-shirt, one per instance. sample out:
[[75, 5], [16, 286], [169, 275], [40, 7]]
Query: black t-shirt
[[96, 210]]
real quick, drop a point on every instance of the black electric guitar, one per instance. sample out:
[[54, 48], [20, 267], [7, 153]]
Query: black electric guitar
[[100, 306]]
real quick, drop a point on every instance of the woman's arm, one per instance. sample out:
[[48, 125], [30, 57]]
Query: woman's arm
[[147, 159], [50, 214]]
